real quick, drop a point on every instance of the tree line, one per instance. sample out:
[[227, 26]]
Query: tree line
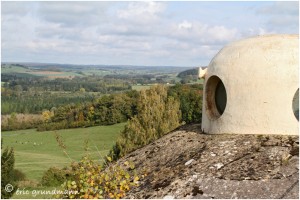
[[36, 103], [34, 94], [116, 108], [88, 83], [105, 110]]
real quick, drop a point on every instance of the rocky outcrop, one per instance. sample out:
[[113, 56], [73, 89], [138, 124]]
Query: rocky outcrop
[[189, 164]]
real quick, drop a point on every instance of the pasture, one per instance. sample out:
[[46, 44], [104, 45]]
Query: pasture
[[22, 71], [35, 152]]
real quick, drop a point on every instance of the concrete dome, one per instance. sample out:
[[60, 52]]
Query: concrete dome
[[251, 87]]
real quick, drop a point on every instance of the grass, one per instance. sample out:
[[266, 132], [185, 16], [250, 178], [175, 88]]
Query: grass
[[97, 72], [13, 69], [35, 152]]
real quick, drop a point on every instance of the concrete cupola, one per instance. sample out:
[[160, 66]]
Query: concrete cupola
[[252, 87]]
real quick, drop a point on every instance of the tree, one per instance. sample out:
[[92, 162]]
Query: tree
[[82, 90], [190, 97], [47, 115], [91, 113], [18, 90], [157, 115], [12, 121], [80, 116], [7, 173]]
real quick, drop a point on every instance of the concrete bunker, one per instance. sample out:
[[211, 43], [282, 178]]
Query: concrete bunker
[[252, 87]]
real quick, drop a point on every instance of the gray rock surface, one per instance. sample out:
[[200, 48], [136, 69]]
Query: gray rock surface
[[223, 166]]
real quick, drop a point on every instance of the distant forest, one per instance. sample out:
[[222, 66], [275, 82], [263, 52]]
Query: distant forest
[[108, 110], [84, 97], [32, 95]]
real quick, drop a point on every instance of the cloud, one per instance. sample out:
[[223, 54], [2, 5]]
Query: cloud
[[135, 19], [282, 16], [73, 13], [197, 33], [142, 12], [185, 25], [14, 8], [140, 33]]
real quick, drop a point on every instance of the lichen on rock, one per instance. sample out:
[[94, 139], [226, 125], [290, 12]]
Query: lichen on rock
[[219, 166]]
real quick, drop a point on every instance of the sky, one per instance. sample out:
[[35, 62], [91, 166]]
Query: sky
[[157, 33]]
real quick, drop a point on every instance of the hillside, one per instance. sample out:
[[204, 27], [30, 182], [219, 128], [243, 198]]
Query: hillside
[[189, 72], [189, 164]]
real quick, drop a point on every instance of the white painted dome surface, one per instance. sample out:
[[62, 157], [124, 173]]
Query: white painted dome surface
[[261, 77]]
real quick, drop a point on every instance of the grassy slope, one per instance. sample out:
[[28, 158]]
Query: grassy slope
[[14, 69], [36, 151]]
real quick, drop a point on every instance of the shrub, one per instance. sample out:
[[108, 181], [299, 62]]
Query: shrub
[[52, 126], [91, 180], [18, 175], [63, 125], [54, 176], [7, 169], [20, 121], [28, 184]]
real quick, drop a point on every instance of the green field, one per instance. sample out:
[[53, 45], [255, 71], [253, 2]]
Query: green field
[[36, 151], [24, 72], [14, 69]]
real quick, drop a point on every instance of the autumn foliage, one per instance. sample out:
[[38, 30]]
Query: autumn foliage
[[157, 114], [90, 180]]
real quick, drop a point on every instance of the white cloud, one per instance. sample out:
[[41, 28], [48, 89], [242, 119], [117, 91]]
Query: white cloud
[[148, 33], [142, 12], [198, 33], [221, 33], [185, 25]]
